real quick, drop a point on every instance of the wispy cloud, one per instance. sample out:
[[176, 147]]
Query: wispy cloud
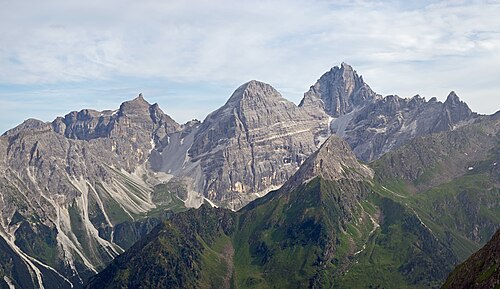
[[426, 47]]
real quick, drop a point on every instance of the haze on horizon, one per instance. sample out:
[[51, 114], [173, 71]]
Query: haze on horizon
[[189, 56]]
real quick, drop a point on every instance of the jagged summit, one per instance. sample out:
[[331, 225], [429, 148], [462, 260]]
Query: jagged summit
[[453, 113], [135, 106], [454, 102], [453, 99], [334, 160], [338, 91]]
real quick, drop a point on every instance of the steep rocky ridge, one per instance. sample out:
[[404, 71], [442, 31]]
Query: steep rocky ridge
[[333, 161], [374, 125]]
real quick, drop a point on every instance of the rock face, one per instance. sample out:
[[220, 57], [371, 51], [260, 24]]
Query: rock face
[[374, 125], [481, 270], [252, 144], [339, 92]]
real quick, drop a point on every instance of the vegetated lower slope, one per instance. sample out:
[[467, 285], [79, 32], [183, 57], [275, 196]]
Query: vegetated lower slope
[[452, 180], [334, 226], [191, 250], [481, 270], [450, 184]]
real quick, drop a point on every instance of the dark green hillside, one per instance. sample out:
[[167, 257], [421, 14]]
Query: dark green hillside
[[174, 254], [481, 270]]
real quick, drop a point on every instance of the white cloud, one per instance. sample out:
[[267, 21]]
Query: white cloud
[[425, 47]]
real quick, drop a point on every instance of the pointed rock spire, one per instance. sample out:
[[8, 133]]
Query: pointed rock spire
[[338, 91], [452, 99], [453, 112], [135, 106]]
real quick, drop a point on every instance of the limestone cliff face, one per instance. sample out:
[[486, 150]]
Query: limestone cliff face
[[252, 144], [339, 92]]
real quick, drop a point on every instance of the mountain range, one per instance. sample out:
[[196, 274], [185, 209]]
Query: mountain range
[[82, 189]]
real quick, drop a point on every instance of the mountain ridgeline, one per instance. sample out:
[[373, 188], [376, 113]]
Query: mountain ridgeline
[[82, 189]]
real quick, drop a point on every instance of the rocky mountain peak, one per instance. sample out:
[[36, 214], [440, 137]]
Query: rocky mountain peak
[[334, 160], [453, 102], [137, 105], [453, 99], [253, 91], [134, 117], [30, 124], [241, 145], [338, 91], [453, 113]]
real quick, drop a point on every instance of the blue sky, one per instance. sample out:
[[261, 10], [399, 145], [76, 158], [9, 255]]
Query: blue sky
[[189, 56]]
